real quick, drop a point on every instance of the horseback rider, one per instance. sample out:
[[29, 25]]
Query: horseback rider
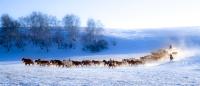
[[171, 57]]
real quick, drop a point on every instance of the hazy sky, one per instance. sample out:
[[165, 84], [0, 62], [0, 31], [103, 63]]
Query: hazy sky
[[114, 13]]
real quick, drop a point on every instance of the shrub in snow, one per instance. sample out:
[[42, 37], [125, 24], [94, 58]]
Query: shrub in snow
[[97, 46]]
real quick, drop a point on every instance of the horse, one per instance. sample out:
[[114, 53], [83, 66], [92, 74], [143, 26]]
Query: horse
[[57, 63], [42, 62], [106, 63], [76, 63], [96, 62], [27, 61], [86, 63], [135, 62], [119, 63]]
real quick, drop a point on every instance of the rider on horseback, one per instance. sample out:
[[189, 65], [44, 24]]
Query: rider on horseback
[[171, 57]]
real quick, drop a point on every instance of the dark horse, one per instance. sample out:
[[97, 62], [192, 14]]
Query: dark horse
[[27, 61], [42, 62]]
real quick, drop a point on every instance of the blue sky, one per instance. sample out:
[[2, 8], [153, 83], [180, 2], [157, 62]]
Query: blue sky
[[114, 13]]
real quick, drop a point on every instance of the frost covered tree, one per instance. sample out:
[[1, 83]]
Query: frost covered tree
[[53, 21], [42, 31], [9, 33], [72, 24], [39, 29], [58, 39], [93, 39]]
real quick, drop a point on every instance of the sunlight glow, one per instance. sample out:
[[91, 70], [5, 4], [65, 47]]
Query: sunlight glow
[[123, 14]]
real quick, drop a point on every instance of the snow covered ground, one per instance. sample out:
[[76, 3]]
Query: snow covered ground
[[180, 73], [184, 71]]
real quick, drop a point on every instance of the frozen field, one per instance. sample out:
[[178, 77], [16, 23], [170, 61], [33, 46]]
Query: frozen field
[[184, 71]]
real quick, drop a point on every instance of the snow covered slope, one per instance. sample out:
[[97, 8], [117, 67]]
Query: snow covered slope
[[169, 74], [183, 71]]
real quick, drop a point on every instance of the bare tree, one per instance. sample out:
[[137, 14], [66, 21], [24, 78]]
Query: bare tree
[[72, 24], [9, 32], [39, 29], [36, 28], [93, 31], [53, 21], [59, 39], [93, 38]]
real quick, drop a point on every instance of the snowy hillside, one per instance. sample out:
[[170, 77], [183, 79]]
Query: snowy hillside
[[18, 74], [183, 71]]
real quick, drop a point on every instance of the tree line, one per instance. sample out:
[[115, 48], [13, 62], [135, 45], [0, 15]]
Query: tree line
[[46, 31]]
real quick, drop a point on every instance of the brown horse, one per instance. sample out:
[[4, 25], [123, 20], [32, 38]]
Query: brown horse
[[106, 63], [96, 62], [77, 63], [119, 63], [57, 63], [27, 61], [86, 63], [42, 62], [135, 62]]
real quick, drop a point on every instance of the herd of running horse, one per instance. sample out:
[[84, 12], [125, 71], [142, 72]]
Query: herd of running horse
[[154, 56]]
